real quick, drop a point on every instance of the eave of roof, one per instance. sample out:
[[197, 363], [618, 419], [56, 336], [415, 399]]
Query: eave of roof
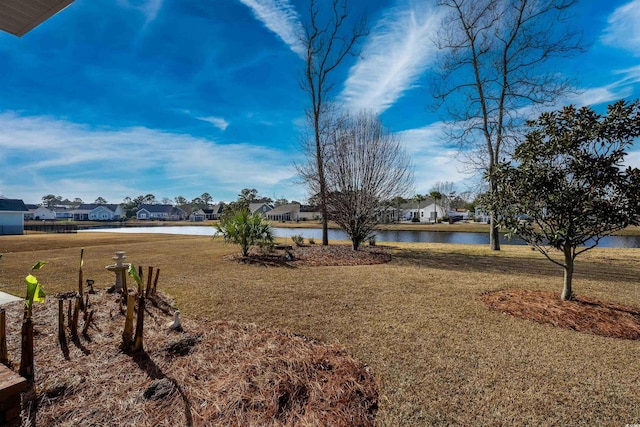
[[18, 17]]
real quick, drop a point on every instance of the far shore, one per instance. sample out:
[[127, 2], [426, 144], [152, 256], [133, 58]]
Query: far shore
[[463, 226]]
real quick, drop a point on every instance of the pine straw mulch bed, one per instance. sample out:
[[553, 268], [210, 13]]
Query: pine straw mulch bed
[[213, 373], [316, 255], [583, 314]]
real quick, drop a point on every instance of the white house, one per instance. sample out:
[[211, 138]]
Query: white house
[[427, 211], [106, 213], [288, 212], [308, 212], [39, 213], [12, 216], [97, 212]]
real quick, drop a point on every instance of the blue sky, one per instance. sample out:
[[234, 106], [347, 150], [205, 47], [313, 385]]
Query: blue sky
[[117, 98]]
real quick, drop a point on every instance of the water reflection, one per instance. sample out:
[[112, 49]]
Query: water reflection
[[381, 236]]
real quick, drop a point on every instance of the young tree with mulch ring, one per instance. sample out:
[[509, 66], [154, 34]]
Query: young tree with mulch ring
[[567, 187]]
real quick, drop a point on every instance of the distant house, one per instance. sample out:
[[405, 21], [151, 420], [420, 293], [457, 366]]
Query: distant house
[[425, 211], [308, 212], [12, 216], [161, 212], [106, 213], [481, 215], [289, 212], [198, 216], [215, 211], [63, 213], [261, 208], [97, 212], [39, 213]]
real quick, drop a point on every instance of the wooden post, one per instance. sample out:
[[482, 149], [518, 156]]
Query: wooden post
[[26, 359], [80, 290], [137, 341], [149, 278], [155, 282], [74, 322], [127, 334], [86, 306], [87, 322], [125, 291], [141, 280], [62, 336], [4, 355], [69, 315]]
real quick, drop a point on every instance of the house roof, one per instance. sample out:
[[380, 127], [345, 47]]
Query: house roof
[[18, 17], [217, 209], [32, 207], [12, 205], [255, 206], [161, 208], [309, 208], [88, 207], [413, 205], [283, 209]]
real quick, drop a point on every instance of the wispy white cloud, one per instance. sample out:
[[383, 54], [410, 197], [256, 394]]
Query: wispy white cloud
[[399, 49], [149, 8], [280, 17], [599, 95], [41, 155], [218, 122], [623, 30], [433, 161]]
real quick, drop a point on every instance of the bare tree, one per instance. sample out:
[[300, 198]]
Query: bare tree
[[365, 166], [493, 72], [327, 42]]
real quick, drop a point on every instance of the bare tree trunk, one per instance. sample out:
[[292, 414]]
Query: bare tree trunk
[[326, 44], [322, 182], [567, 293]]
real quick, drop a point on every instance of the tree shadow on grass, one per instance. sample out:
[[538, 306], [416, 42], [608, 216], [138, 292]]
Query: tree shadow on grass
[[508, 265]]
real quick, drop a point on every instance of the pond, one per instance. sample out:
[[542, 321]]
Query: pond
[[381, 236]]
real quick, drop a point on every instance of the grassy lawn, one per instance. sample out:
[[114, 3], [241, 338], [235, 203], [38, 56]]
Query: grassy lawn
[[439, 355]]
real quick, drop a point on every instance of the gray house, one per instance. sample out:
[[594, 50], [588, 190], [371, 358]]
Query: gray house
[[12, 216], [161, 212]]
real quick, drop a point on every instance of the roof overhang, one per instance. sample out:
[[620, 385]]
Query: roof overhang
[[18, 17]]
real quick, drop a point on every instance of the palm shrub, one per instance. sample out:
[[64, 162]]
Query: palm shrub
[[245, 229]]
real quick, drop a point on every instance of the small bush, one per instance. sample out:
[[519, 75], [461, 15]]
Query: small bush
[[312, 241], [372, 241], [298, 239]]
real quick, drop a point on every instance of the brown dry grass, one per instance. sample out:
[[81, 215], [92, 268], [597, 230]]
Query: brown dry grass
[[440, 356]]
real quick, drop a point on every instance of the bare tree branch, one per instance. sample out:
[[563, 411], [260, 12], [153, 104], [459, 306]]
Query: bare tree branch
[[492, 76]]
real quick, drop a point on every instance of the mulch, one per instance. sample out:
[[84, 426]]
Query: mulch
[[583, 314], [211, 373], [317, 256]]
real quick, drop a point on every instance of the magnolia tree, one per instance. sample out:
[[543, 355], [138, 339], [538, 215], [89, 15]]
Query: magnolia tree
[[365, 166], [567, 186]]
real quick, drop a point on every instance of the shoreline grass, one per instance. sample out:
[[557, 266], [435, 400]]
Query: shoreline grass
[[440, 355]]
